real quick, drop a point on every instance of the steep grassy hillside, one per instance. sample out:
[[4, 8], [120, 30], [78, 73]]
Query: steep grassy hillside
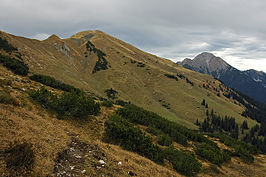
[[95, 62], [57, 146]]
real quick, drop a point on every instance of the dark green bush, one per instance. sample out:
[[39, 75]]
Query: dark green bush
[[241, 149], [164, 140], [69, 104], [140, 64], [177, 132], [20, 157], [102, 63], [6, 46], [154, 131], [16, 66], [120, 131], [121, 102], [133, 61], [183, 162], [107, 103], [243, 153], [45, 98], [171, 76], [212, 153], [111, 93], [50, 81]]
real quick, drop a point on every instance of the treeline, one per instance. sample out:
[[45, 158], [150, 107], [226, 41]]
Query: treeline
[[102, 63], [50, 81], [14, 65], [257, 111], [122, 132], [69, 104], [216, 123], [256, 137]]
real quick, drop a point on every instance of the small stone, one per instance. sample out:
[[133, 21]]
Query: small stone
[[78, 157], [83, 171], [101, 162], [119, 163]]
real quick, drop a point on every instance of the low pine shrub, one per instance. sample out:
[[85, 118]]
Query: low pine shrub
[[14, 65]]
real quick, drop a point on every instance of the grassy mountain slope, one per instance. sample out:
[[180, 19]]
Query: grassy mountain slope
[[72, 146], [57, 130], [137, 76]]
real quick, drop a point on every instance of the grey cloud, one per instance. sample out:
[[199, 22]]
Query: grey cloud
[[173, 29]]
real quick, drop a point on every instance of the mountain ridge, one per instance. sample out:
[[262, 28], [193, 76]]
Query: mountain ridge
[[130, 71], [244, 81]]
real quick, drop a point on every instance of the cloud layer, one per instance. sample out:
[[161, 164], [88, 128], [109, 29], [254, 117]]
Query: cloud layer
[[174, 29]]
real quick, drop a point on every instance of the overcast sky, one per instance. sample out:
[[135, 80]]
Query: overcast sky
[[175, 29]]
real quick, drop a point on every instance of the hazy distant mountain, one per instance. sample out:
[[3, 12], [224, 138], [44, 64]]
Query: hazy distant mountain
[[250, 82]]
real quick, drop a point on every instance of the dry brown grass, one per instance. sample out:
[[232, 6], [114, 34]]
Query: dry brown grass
[[49, 136]]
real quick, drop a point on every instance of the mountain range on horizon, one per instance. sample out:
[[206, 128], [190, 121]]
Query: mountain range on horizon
[[249, 82]]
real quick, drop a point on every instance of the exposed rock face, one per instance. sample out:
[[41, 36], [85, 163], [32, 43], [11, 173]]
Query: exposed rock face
[[207, 63], [250, 82]]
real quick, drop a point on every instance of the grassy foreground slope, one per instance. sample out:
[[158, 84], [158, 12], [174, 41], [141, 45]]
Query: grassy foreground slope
[[75, 146]]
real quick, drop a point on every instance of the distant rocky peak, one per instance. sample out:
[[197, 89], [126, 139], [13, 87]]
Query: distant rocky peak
[[211, 61], [207, 63]]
